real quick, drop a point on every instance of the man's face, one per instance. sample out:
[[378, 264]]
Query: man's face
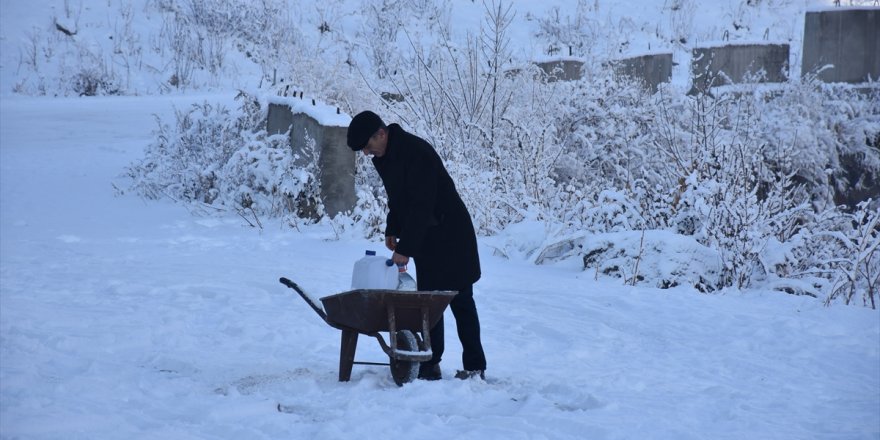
[[377, 144]]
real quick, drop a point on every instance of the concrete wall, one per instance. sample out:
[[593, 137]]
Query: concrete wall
[[849, 39], [562, 70], [650, 70], [279, 119], [730, 64], [336, 162]]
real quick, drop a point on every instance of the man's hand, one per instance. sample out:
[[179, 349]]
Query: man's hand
[[399, 259], [391, 242]]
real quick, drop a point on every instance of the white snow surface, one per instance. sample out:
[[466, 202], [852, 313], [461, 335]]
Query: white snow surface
[[324, 114], [123, 319], [127, 319]]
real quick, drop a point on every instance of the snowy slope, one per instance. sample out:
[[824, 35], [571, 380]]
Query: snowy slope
[[131, 42], [125, 319]]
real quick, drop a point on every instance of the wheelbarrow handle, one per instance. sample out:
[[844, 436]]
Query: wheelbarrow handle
[[308, 300]]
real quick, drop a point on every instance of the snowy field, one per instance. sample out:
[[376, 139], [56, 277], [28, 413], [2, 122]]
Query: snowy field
[[123, 319]]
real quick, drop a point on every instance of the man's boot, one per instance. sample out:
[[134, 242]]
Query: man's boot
[[430, 372]]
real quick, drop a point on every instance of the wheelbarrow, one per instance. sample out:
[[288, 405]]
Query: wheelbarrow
[[407, 316]]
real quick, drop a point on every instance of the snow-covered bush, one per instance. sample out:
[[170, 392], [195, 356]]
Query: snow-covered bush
[[212, 156], [57, 61], [605, 130], [486, 119], [262, 176], [199, 43], [728, 200], [184, 161], [737, 171], [809, 129], [837, 255], [857, 274], [833, 255], [570, 35], [657, 258], [94, 81], [612, 211]]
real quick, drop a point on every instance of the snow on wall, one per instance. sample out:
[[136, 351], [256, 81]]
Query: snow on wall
[[326, 115]]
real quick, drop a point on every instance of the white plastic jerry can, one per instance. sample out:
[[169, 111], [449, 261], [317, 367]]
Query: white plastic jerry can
[[372, 272]]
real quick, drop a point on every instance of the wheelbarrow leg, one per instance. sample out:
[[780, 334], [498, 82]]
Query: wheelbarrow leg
[[346, 354]]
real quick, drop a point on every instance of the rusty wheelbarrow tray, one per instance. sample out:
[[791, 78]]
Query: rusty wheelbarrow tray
[[407, 316]]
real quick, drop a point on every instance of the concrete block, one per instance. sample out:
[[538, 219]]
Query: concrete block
[[732, 64], [562, 70], [650, 70], [848, 39]]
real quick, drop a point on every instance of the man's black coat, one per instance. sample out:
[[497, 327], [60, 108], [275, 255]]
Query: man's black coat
[[426, 213]]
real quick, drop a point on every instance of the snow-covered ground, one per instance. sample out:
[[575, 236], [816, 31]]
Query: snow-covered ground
[[126, 319], [121, 318]]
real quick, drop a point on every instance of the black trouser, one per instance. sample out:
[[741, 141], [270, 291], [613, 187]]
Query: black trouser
[[468, 323]]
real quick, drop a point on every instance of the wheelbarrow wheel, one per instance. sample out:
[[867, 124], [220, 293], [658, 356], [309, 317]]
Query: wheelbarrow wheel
[[405, 371]]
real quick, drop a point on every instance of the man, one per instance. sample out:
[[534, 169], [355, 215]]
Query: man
[[427, 221]]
